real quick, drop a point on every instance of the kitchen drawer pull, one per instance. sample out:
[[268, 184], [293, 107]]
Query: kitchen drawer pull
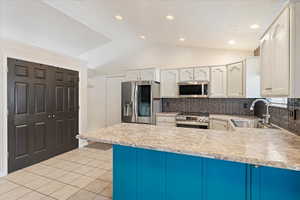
[[268, 88]]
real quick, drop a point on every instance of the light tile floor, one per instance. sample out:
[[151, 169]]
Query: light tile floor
[[81, 174]]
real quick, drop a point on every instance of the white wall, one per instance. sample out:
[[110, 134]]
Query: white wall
[[113, 100], [21, 51], [96, 103], [165, 56], [104, 101]]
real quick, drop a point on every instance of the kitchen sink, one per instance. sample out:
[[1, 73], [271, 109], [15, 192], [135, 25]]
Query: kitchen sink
[[251, 124]]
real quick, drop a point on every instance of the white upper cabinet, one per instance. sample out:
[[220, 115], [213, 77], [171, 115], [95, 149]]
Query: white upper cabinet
[[186, 74], [146, 75], [142, 75], [168, 84], [252, 77], [236, 80], [218, 82], [266, 66], [281, 66], [275, 58], [201, 74], [132, 75]]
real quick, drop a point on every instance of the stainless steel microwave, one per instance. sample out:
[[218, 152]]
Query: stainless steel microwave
[[193, 89]]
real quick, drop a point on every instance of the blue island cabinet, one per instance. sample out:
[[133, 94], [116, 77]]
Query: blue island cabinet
[[140, 174], [274, 184]]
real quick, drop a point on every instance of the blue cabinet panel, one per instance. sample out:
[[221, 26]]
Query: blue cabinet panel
[[124, 173], [151, 174], [183, 177], [140, 174], [224, 180], [275, 184]]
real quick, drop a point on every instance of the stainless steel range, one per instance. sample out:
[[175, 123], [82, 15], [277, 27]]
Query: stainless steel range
[[193, 120]]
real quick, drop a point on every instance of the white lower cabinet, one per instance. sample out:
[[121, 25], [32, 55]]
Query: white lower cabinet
[[217, 124], [168, 83], [218, 82], [165, 120], [235, 80]]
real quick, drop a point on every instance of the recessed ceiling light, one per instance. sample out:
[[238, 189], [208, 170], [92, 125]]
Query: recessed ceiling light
[[231, 42], [254, 26], [119, 17], [182, 39], [143, 37], [170, 17]]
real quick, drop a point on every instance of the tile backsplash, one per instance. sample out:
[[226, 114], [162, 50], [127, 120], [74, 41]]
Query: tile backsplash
[[282, 117], [228, 106], [287, 118]]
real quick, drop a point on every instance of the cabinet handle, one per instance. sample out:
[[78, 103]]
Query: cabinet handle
[[268, 88], [256, 166], [49, 116], [53, 116]]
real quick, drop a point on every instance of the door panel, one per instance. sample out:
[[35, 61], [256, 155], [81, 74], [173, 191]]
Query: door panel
[[21, 98], [40, 134], [22, 141], [38, 122]]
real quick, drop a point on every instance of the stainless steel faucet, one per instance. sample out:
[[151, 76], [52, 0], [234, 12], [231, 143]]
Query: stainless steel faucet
[[267, 116]]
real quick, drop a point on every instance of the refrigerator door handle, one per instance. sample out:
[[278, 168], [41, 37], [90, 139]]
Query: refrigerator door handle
[[136, 103]]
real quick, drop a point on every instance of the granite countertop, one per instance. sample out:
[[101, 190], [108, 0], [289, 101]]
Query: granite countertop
[[265, 147]]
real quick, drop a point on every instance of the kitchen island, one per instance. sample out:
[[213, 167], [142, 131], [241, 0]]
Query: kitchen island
[[153, 162]]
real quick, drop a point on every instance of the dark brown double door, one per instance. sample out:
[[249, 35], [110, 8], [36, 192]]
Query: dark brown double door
[[42, 112]]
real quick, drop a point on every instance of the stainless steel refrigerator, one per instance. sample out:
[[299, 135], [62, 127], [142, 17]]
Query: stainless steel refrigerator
[[140, 101]]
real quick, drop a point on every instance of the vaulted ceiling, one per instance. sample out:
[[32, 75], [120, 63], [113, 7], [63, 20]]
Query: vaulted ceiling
[[88, 30]]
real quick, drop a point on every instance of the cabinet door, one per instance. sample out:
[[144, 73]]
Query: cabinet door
[[132, 76], [266, 66], [201, 74], [274, 184], [186, 74], [224, 180], [235, 80], [219, 125], [182, 182], [168, 84], [218, 82], [280, 68], [147, 75], [150, 175], [125, 165]]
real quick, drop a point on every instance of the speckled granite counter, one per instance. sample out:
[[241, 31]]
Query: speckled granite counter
[[266, 147]]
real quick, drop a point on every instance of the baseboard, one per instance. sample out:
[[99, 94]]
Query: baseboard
[[2, 174], [82, 143]]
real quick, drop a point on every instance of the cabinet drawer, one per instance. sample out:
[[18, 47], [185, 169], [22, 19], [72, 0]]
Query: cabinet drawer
[[165, 119]]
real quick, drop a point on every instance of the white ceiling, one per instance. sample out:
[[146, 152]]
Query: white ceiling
[[38, 24], [87, 28]]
